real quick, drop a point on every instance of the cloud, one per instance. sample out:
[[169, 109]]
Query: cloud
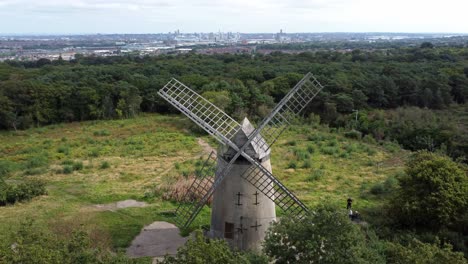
[[235, 15]]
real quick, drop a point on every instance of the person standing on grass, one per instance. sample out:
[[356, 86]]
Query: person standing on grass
[[348, 207]]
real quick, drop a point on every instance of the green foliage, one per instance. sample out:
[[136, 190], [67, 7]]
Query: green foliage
[[34, 245], [36, 161], [104, 165], [292, 164], [200, 250], [101, 133], [7, 167], [419, 252], [385, 187], [67, 169], [354, 134], [326, 235], [317, 174], [77, 165], [433, 192], [10, 194]]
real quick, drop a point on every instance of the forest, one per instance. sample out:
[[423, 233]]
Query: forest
[[414, 96], [390, 116]]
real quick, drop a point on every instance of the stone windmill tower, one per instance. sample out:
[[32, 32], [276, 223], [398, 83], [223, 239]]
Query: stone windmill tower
[[245, 192]]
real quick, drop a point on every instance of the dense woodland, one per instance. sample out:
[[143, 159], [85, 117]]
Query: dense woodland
[[413, 96], [402, 94]]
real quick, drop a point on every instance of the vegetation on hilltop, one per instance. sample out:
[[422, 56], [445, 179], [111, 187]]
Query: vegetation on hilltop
[[44, 92]]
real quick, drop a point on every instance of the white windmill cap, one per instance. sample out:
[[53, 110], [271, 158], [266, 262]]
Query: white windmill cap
[[257, 147]]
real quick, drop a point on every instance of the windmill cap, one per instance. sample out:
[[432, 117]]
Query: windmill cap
[[257, 147]]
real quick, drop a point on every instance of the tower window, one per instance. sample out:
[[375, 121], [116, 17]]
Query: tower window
[[228, 230]]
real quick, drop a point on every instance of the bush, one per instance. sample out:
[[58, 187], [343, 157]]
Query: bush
[[101, 133], [307, 164], [378, 188], [33, 244], [301, 154], [329, 150], [67, 169], [292, 164], [354, 134], [310, 149], [419, 252], [6, 167], [78, 165], [64, 150], [326, 235], [369, 139], [36, 161], [432, 193], [10, 194], [317, 174], [199, 249], [104, 165]]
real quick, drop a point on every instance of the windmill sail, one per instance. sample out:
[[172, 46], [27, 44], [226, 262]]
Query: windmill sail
[[201, 111], [200, 186], [214, 120]]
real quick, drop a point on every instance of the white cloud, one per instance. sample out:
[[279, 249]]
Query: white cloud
[[235, 15]]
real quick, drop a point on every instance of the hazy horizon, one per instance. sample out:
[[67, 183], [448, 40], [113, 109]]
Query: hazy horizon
[[80, 17]]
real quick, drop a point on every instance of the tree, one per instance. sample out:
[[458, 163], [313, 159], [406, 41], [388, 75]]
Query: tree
[[200, 250], [433, 192], [419, 252], [326, 235], [427, 45]]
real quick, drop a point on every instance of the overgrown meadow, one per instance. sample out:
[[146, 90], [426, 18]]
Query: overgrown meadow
[[99, 162]]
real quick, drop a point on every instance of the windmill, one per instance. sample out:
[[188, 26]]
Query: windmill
[[244, 190]]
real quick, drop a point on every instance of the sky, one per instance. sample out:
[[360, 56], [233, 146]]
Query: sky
[[248, 16]]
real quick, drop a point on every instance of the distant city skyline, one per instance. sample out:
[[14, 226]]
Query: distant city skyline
[[247, 16]]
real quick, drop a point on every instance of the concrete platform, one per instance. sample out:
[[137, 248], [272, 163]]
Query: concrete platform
[[156, 240]]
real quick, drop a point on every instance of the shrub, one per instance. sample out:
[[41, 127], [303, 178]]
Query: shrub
[[354, 134], [329, 150], [101, 133], [315, 137], [307, 164], [77, 165], [369, 139], [350, 148], [94, 153], [36, 161], [292, 164], [419, 252], [310, 149], [291, 143], [326, 235], [33, 244], [104, 165], [301, 154], [317, 174], [378, 188], [199, 249], [6, 167], [67, 169], [63, 149], [432, 193], [333, 142], [10, 194]]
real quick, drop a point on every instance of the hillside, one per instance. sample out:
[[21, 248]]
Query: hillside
[[90, 163]]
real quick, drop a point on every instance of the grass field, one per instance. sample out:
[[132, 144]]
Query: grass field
[[100, 162]]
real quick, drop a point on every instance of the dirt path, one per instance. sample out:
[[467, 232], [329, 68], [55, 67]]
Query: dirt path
[[119, 205], [156, 240], [207, 149]]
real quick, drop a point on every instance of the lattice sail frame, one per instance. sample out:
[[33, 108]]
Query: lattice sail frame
[[211, 117], [199, 110]]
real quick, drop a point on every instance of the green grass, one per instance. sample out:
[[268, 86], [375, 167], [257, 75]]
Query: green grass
[[107, 161]]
